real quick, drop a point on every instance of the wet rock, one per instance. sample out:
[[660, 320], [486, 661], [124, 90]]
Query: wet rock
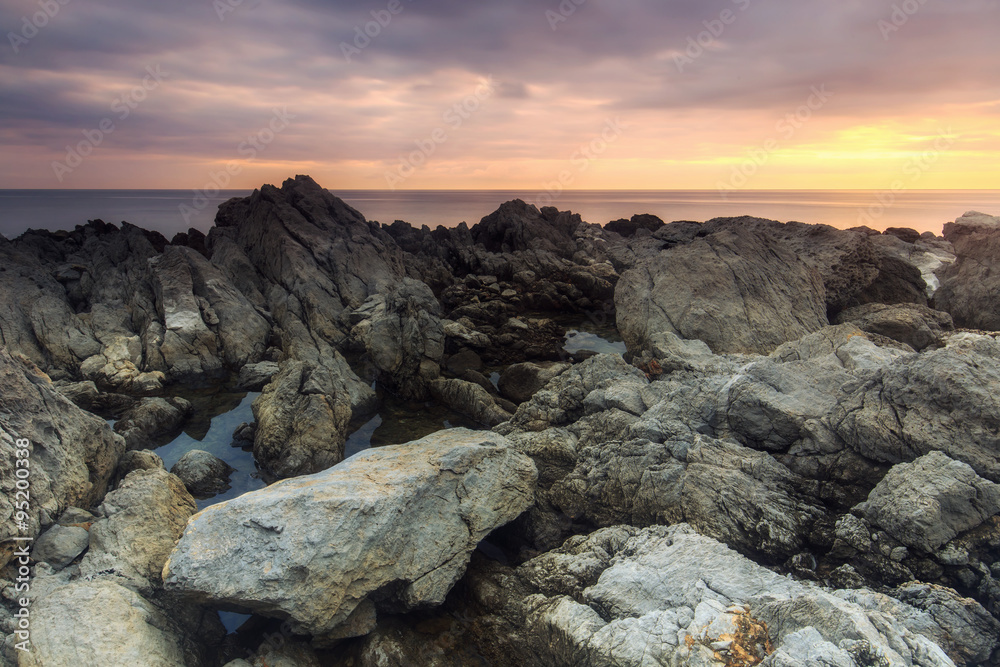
[[405, 338], [303, 414], [470, 399], [457, 485], [72, 453], [203, 474], [150, 419], [253, 377], [520, 382], [89, 397], [929, 502], [462, 361]]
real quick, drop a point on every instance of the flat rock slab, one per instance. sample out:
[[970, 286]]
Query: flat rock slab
[[394, 526]]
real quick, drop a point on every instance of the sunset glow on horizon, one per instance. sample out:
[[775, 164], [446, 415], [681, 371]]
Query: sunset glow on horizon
[[591, 94]]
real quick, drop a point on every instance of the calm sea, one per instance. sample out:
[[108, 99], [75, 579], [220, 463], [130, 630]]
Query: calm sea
[[163, 210]]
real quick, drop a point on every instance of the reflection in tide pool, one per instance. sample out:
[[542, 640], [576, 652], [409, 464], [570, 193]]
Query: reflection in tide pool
[[577, 341], [399, 422], [211, 428]]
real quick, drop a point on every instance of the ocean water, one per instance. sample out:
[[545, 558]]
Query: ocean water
[[173, 211]]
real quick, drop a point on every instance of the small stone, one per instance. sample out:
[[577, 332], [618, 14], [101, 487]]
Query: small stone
[[203, 474], [899, 554], [74, 516], [60, 545]]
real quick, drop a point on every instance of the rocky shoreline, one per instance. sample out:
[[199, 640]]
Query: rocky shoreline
[[797, 461]]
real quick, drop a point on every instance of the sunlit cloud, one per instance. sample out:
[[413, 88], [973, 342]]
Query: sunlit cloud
[[554, 90]]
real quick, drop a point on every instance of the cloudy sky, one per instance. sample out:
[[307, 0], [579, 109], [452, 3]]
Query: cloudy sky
[[456, 94]]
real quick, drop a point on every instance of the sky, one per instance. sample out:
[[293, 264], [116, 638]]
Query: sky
[[532, 94]]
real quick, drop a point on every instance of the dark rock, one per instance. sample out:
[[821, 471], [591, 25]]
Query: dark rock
[[520, 382], [970, 287], [470, 399], [73, 453], [203, 474], [903, 233], [464, 361], [253, 377], [152, 419], [628, 228], [917, 326]]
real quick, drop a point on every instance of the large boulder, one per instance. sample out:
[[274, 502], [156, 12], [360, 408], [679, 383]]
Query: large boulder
[[71, 454], [142, 520], [970, 286], [102, 623], [669, 596], [303, 414], [320, 548], [942, 400], [152, 418], [929, 502], [739, 289], [404, 336], [915, 325]]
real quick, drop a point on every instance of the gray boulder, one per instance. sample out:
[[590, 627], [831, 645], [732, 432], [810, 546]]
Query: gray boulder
[[563, 400], [669, 596], [102, 623], [72, 454], [738, 289], [203, 474], [404, 336], [59, 545], [303, 414], [917, 326], [143, 518], [520, 382], [941, 400], [969, 286], [273, 552], [929, 502], [253, 377], [150, 419]]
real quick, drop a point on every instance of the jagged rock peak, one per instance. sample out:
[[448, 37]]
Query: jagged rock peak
[[303, 194]]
